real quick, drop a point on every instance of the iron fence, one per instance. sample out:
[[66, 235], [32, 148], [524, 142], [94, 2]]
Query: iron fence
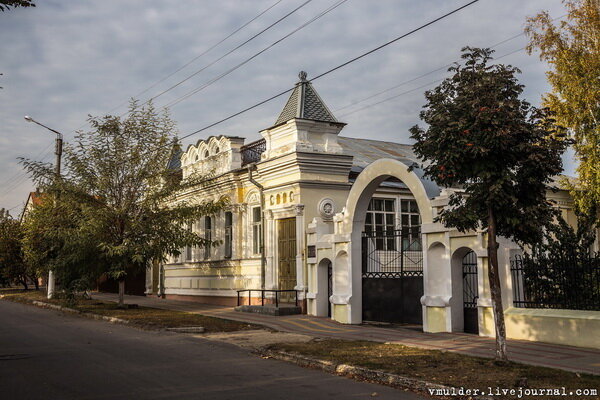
[[567, 283], [392, 253]]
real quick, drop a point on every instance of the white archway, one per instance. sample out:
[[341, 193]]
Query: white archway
[[357, 203]]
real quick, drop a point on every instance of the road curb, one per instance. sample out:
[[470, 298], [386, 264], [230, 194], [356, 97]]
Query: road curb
[[375, 376], [113, 320], [187, 329]]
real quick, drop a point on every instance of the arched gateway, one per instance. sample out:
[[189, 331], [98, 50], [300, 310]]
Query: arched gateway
[[385, 267]]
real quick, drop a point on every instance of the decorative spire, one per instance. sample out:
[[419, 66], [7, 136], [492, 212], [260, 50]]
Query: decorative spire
[[305, 103]]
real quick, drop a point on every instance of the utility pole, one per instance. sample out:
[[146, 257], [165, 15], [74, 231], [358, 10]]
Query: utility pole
[[58, 152]]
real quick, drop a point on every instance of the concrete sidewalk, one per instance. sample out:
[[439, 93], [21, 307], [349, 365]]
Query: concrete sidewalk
[[536, 353]]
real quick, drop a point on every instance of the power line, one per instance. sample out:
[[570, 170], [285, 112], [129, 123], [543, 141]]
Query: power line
[[193, 59], [322, 74], [12, 208], [228, 53], [12, 178], [420, 87], [199, 55], [393, 87], [215, 79], [18, 179], [391, 98], [354, 103], [331, 70]]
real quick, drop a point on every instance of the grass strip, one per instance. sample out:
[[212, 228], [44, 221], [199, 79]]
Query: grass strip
[[442, 367], [140, 316]]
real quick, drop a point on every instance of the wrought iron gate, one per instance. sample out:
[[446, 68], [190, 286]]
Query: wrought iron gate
[[329, 287], [392, 275], [470, 292]]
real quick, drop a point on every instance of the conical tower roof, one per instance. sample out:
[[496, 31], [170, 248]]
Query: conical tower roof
[[305, 103]]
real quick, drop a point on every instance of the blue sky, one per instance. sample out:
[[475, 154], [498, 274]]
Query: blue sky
[[65, 60]]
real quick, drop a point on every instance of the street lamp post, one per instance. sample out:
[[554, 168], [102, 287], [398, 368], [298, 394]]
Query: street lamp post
[[58, 152]]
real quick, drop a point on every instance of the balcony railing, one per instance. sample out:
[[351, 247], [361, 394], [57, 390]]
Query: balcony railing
[[251, 152]]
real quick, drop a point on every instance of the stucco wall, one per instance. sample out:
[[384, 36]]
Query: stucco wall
[[570, 327]]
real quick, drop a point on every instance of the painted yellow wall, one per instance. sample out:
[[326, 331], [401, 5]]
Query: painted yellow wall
[[570, 327], [486, 322], [436, 319], [340, 313]]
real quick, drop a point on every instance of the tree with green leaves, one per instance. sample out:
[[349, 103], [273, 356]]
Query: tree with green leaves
[[13, 266], [55, 239], [7, 4], [125, 196], [498, 151], [572, 49]]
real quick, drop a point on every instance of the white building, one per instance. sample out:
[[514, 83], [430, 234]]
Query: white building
[[349, 226]]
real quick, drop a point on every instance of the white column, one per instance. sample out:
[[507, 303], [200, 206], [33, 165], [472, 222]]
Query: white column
[[50, 284], [300, 278], [269, 246]]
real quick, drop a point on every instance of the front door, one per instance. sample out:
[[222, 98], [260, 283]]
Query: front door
[[286, 237], [470, 293]]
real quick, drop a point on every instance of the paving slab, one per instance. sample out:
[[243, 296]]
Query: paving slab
[[576, 359]]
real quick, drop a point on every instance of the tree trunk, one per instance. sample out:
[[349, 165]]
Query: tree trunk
[[121, 293], [495, 288], [36, 283], [24, 283]]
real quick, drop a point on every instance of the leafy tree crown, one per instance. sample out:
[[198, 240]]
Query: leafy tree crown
[[497, 150]]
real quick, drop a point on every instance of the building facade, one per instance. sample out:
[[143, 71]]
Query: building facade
[[348, 223]]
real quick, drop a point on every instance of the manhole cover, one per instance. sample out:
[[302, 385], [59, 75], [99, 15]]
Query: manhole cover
[[8, 357]]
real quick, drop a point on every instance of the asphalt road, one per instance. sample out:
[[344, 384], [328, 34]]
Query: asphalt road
[[49, 355]]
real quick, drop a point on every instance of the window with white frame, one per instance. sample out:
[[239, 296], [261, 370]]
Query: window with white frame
[[207, 236], [228, 234], [256, 230], [381, 221], [410, 223]]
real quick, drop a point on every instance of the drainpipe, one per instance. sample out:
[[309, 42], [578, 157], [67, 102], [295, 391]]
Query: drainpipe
[[263, 260]]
